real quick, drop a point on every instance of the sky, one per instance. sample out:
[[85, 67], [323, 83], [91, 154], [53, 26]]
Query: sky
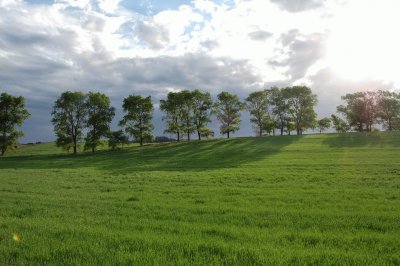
[[152, 47]]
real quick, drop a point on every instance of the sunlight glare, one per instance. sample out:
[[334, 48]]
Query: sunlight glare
[[364, 42]]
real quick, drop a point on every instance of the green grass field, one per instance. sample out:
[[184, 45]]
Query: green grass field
[[316, 199]]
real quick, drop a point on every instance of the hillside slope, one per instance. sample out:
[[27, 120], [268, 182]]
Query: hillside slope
[[330, 199]]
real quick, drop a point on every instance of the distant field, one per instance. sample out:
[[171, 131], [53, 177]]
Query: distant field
[[316, 199]]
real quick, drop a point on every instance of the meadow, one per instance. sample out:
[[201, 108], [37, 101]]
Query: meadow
[[331, 199]]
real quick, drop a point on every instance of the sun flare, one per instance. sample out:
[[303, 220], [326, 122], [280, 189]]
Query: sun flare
[[363, 43]]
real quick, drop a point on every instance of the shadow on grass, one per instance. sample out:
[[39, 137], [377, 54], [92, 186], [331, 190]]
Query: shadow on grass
[[193, 156], [363, 139]]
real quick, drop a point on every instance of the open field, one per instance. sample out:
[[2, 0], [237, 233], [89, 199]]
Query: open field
[[317, 199]]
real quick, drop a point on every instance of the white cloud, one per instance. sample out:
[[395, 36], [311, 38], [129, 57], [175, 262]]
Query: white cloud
[[109, 6], [99, 44]]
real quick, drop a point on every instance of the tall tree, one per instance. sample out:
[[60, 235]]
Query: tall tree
[[324, 124], [100, 114], [228, 109], [257, 104], [12, 114], [137, 120], [172, 109], [280, 107], [69, 118], [202, 105], [301, 107], [186, 110], [388, 109]]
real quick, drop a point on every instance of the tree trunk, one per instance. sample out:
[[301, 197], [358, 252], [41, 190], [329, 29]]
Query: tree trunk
[[228, 134], [199, 134], [188, 136], [178, 136], [260, 132], [93, 139], [282, 128], [273, 132], [75, 144]]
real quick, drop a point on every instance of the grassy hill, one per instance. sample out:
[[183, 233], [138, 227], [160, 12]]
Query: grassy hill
[[316, 199]]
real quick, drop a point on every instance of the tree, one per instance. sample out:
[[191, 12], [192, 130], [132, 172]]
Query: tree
[[301, 103], [137, 120], [257, 104], [100, 115], [339, 124], [280, 107], [388, 109], [186, 106], [228, 109], [172, 109], [116, 138], [324, 124], [69, 118], [360, 110], [12, 113], [202, 105]]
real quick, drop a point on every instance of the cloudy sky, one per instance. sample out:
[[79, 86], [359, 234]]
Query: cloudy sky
[[151, 47]]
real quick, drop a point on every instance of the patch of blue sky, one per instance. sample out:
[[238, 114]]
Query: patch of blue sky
[[46, 2], [147, 7]]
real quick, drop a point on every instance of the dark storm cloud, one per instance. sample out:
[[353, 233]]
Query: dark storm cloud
[[298, 5], [41, 81]]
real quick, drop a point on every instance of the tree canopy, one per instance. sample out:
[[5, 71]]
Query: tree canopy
[[100, 114], [137, 119], [227, 109], [12, 114], [69, 119]]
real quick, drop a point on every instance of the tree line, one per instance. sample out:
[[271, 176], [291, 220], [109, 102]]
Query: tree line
[[78, 117]]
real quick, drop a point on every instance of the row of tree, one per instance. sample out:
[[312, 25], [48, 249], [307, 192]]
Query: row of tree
[[76, 112], [186, 112], [77, 116], [364, 110], [288, 109]]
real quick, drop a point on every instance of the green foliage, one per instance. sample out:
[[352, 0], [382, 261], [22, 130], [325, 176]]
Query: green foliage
[[388, 109], [360, 110], [339, 124], [172, 109], [280, 107], [324, 124], [206, 133], [227, 109], [257, 104], [12, 114], [137, 120], [69, 119], [301, 200], [116, 138], [100, 114], [202, 105], [301, 103], [186, 106]]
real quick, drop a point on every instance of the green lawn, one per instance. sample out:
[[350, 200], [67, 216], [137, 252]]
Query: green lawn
[[317, 199]]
